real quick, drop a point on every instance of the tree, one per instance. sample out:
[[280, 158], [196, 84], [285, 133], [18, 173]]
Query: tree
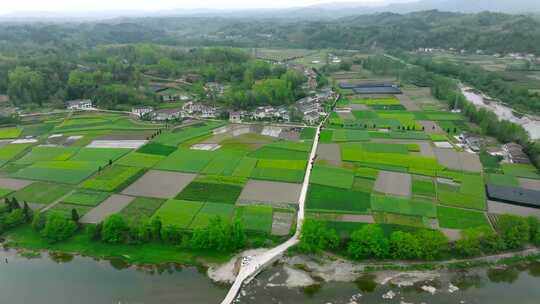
[[27, 212], [220, 236], [25, 86], [156, 226], [115, 229], [75, 215], [432, 244], [368, 241], [404, 245], [514, 231], [534, 230], [470, 243], [315, 237], [58, 228], [38, 221]]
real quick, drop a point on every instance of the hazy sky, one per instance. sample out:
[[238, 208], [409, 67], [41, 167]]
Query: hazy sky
[[8, 6]]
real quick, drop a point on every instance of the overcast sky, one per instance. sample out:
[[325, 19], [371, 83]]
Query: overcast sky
[[8, 6]]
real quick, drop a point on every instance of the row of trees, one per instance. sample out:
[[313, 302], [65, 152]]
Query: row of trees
[[372, 242], [13, 215], [219, 235]]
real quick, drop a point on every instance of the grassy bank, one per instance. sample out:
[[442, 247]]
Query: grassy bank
[[152, 253]]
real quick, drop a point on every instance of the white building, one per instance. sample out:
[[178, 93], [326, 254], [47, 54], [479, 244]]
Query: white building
[[141, 111], [167, 114], [80, 104]]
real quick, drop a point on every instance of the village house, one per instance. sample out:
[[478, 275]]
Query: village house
[[80, 104], [199, 109], [167, 114], [141, 111], [235, 117]]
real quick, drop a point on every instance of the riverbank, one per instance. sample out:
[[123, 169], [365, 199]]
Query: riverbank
[[306, 270], [531, 123], [24, 238]]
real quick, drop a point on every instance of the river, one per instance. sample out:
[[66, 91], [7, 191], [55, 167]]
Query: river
[[529, 123], [72, 279]]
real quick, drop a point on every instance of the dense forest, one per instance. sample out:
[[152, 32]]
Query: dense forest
[[493, 32], [116, 77]]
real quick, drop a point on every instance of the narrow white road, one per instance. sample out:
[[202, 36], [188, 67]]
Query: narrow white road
[[261, 261]]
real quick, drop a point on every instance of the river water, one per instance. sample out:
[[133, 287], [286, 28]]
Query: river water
[[68, 279], [529, 123]]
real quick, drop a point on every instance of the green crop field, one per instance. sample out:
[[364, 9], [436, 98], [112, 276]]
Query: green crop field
[[66, 209], [68, 172], [256, 218], [178, 213], [141, 160], [210, 192], [210, 211], [403, 206], [334, 177], [326, 136], [502, 180], [282, 164], [7, 152], [521, 170], [113, 178], [45, 153], [424, 188], [376, 101], [41, 193], [8, 133], [185, 160], [181, 135], [142, 208], [366, 172], [86, 198], [470, 193], [99, 155], [303, 146], [278, 153], [5, 192], [384, 148], [354, 152], [222, 165], [278, 175], [350, 135], [331, 199], [363, 184], [399, 219], [308, 133], [244, 167], [157, 149], [454, 218]]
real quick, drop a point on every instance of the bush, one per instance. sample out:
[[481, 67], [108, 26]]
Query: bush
[[432, 244], [58, 228], [220, 236], [14, 219], [115, 229], [316, 237], [368, 241], [404, 245], [469, 244], [514, 231], [534, 230], [38, 221], [171, 235]]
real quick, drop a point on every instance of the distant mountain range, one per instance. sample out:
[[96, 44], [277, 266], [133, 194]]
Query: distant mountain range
[[322, 11]]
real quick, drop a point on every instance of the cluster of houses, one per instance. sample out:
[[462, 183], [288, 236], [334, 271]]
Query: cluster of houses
[[189, 109], [310, 109]]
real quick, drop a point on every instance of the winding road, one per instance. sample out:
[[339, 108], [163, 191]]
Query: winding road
[[259, 262]]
